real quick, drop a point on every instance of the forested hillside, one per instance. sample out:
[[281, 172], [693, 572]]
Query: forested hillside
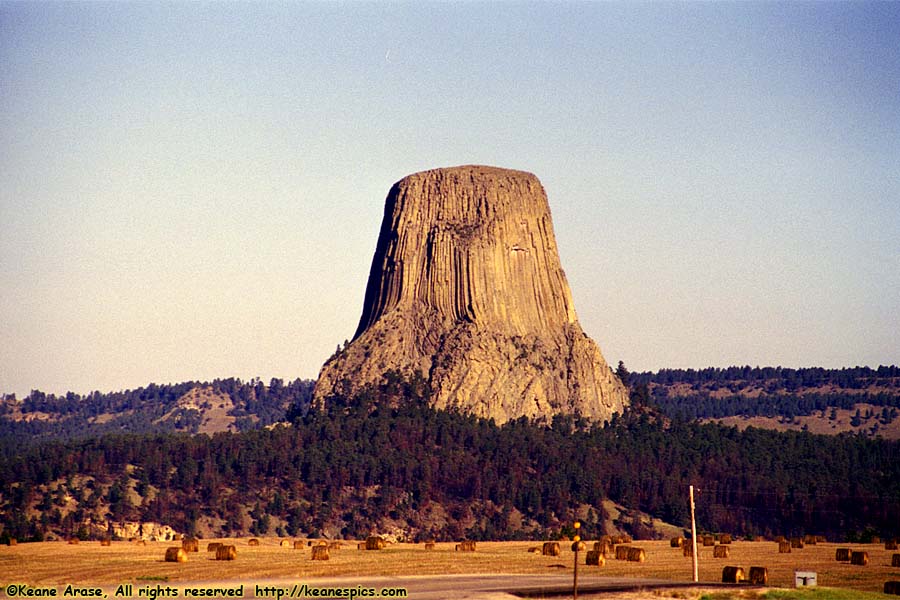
[[383, 459], [152, 409], [769, 392]]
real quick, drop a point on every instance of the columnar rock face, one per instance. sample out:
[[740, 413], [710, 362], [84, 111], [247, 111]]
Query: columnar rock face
[[466, 287]]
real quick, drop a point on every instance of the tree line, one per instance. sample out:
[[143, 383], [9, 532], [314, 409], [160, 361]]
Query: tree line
[[385, 453]]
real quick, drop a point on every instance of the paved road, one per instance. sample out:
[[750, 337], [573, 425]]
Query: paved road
[[470, 587]]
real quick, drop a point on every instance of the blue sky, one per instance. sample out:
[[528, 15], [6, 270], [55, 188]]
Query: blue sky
[[194, 190]]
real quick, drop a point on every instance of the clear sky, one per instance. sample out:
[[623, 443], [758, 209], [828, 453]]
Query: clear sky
[[193, 190]]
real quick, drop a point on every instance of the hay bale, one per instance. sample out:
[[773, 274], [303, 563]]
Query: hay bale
[[876, 539], [621, 552], [842, 555], [821, 539], [374, 542], [725, 538], [892, 587], [320, 553], [859, 558], [784, 547], [299, 545], [103, 542], [708, 540], [226, 552], [535, 549], [594, 557], [213, 546], [687, 550], [253, 542], [720, 551], [636, 555], [796, 542], [285, 543], [605, 546], [190, 544], [466, 546], [176, 554], [335, 546], [676, 542], [73, 541], [779, 539], [809, 540], [430, 545], [890, 545], [895, 560], [733, 575], [550, 549], [579, 546], [759, 576]]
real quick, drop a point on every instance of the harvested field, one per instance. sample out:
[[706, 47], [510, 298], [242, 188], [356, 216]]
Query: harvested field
[[58, 563]]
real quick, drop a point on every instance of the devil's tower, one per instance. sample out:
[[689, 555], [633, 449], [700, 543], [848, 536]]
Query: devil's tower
[[466, 287]]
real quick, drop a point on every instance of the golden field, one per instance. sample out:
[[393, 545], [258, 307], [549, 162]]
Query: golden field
[[89, 563]]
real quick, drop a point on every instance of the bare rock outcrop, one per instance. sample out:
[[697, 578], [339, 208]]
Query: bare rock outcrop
[[466, 287]]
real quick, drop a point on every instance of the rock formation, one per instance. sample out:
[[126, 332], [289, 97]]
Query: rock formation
[[466, 287]]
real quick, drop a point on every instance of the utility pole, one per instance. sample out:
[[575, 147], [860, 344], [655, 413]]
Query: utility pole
[[694, 539], [576, 546]]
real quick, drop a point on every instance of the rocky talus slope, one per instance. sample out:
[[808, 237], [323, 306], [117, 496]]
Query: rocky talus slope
[[466, 287]]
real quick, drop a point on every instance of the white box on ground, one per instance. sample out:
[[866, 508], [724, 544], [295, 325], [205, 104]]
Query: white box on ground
[[804, 578]]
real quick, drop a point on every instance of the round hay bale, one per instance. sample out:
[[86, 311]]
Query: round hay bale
[[13, 542], [636, 555], [176, 554], [320, 553], [725, 538], [733, 575], [842, 555], [73, 541], [535, 549], [708, 540], [622, 552], [226, 552], [253, 542], [797, 542], [687, 549], [466, 546], [759, 576], [430, 545], [676, 542], [605, 546], [374, 542], [190, 544], [720, 551], [895, 560], [299, 545], [335, 546], [579, 546], [891, 545], [809, 540], [594, 557], [103, 542], [285, 544], [859, 558], [784, 547], [361, 546], [779, 539], [213, 546], [892, 587], [550, 549]]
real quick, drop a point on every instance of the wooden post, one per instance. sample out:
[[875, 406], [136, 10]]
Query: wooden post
[[694, 539], [575, 546]]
